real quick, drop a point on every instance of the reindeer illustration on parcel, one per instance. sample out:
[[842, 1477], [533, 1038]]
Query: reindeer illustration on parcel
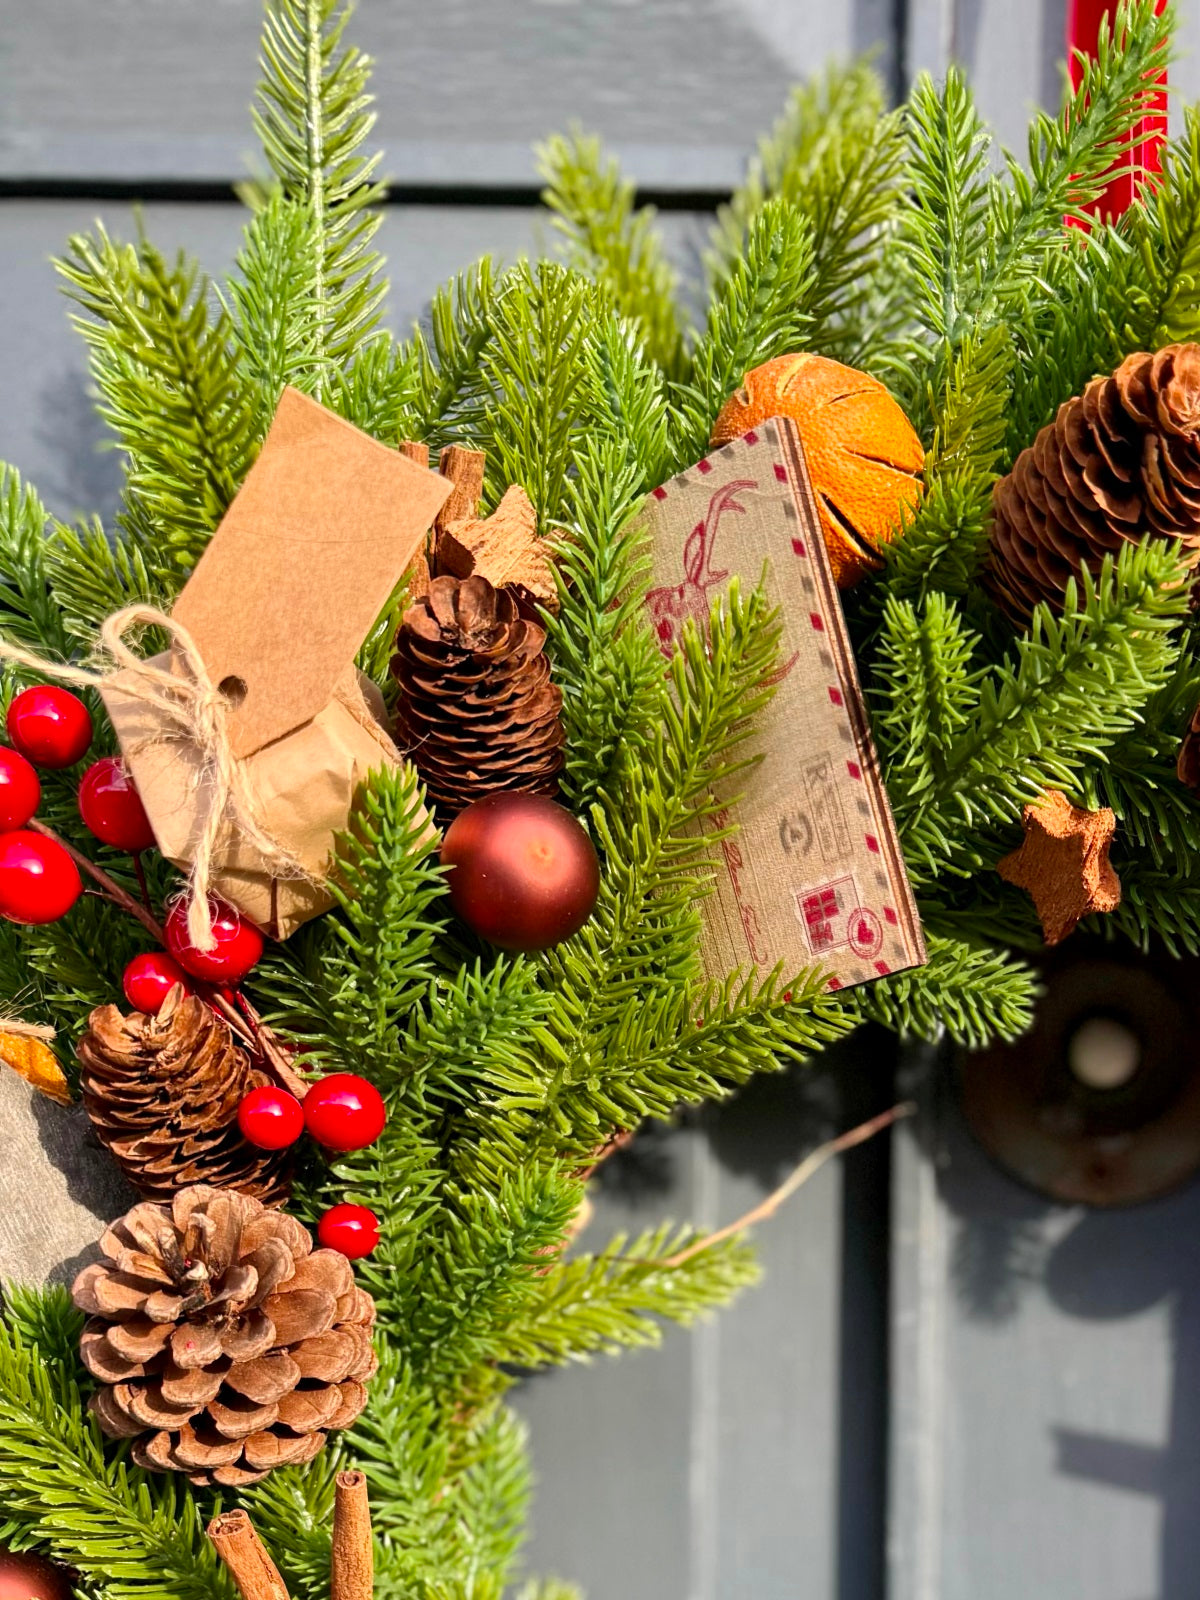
[[814, 874]]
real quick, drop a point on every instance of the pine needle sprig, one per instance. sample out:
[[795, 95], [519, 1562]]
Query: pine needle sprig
[[1074, 684], [836, 154], [30, 615], [139, 1536], [1069, 156], [312, 113], [616, 245], [762, 309], [449, 357], [972, 993], [614, 1299], [535, 372], [170, 388]]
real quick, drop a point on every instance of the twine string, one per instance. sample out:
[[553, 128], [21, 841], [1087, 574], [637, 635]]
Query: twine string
[[187, 706]]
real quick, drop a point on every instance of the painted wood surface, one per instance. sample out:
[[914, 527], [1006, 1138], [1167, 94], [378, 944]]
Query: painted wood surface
[[1045, 1382], [158, 89]]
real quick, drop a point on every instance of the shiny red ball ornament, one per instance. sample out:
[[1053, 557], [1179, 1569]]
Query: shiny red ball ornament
[[38, 880], [50, 726], [149, 979], [20, 790], [24, 1576], [237, 950], [344, 1112], [112, 808], [352, 1230], [270, 1118], [524, 874]]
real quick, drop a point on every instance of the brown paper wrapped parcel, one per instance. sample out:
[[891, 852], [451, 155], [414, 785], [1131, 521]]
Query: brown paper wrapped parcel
[[301, 566]]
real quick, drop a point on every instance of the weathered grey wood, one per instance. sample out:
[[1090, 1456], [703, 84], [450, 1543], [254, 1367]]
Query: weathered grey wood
[[50, 1152], [1046, 1397], [147, 89], [714, 1468]]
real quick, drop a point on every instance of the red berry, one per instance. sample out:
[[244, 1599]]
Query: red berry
[[344, 1112], [149, 979], [238, 943], [525, 873], [353, 1230], [20, 791], [38, 880], [112, 808], [50, 726], [270, 1118]]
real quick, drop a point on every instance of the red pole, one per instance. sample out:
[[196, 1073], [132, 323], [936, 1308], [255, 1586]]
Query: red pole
[[1145, 158]]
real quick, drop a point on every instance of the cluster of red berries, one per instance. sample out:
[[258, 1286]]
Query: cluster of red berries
[[342, 1112], [39, 882], [50, 727]]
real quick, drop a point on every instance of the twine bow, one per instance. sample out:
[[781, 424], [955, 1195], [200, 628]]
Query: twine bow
[[188, 706]]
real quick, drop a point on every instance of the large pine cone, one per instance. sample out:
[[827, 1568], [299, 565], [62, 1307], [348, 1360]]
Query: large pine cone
[[1119, 463], [163, 1095], [478, 714], [224, 1344]]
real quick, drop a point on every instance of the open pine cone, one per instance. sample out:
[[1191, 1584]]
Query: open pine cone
[[224, 1344], [163, 1094], [1119, 463], [478, 714]]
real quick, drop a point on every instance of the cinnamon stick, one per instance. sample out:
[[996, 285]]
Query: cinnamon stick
[[414, 451], [244, 1553], [464, 468], [352, 1558]]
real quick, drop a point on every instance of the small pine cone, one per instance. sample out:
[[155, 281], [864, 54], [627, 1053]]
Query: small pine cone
[[1119, 463], [163, 1095], [223, 1343], [478, 714]]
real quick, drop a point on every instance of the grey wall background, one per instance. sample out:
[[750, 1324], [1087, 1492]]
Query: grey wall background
[[946, 1389]]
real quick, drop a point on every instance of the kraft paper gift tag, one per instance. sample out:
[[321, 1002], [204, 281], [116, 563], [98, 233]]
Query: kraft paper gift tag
[[814, 875], [303, 562]]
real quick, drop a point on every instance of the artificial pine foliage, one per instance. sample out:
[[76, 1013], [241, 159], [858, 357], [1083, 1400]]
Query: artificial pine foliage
[[889, 238]]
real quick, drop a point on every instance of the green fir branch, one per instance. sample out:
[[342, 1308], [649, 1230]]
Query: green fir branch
[[619, 248], [171, 390], [762, 309], [312, 113]]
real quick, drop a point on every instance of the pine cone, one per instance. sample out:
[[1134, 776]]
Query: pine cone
[[1119, 463], [224, 1344], [163, 1095], [478, 714]]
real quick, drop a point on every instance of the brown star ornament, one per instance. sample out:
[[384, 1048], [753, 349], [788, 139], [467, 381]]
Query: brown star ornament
[[1063, 863]]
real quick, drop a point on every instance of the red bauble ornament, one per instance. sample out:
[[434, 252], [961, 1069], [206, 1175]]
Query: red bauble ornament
[[353, 1230], [344, 1112], [149, 979], [238, 948], [271, 1118], [20, 791], [24, 1576], [112, 808], [38, 880], [524, 872], [50, 726]]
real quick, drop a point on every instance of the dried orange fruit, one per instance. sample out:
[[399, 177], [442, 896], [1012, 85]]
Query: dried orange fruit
[[862, 452], [33, 1060]]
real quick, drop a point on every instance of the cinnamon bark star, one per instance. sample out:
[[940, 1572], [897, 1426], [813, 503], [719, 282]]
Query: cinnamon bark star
[[1063, 863]]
